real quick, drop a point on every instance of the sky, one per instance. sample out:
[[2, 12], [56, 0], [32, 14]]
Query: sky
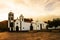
[[36, 9]]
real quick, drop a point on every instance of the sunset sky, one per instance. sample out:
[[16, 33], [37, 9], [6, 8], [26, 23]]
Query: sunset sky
[[36, 9]]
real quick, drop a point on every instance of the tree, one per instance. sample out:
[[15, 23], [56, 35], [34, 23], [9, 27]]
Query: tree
[[50, 24], [55, 23]]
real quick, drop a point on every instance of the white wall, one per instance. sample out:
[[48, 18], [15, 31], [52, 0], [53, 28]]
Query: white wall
[[44, 26], [36, 26], [25, 26]]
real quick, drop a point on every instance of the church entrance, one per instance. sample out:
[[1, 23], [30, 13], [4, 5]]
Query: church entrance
[[41, 26], [17, 28], [31, 27]]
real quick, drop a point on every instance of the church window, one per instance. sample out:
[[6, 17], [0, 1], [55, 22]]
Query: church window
[[23, 27], [11, 24], [17, 23], [11, 18], [12, 15]]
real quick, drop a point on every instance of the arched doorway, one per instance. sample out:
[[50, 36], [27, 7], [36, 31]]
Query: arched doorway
[[31, 27], [17, 28], [41, 26]]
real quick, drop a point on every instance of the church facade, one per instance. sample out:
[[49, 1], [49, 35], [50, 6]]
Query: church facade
[[20, 25]]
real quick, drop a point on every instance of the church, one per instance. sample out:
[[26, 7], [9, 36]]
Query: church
[[20, 25]]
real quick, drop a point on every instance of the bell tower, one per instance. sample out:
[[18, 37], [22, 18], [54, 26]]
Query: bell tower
[[21, 17], [21, 21], [10, 21]]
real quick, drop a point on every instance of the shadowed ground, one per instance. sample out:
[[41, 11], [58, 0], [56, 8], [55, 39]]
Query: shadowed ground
[[29, 36]]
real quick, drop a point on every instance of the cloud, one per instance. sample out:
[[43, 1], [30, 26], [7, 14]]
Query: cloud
[[51, 5], [35, 8]]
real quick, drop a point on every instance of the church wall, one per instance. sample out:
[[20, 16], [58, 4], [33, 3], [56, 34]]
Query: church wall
[[44, 26], [36, 27], [25, 26]]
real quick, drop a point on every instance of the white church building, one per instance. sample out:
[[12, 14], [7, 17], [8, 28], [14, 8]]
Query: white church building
[[20, 25]]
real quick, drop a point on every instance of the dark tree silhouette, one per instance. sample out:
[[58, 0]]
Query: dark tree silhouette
[[55, 23]]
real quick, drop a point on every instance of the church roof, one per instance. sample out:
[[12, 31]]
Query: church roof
[[25, 20]]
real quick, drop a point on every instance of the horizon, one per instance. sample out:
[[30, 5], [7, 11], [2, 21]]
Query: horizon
[[42, 10]]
